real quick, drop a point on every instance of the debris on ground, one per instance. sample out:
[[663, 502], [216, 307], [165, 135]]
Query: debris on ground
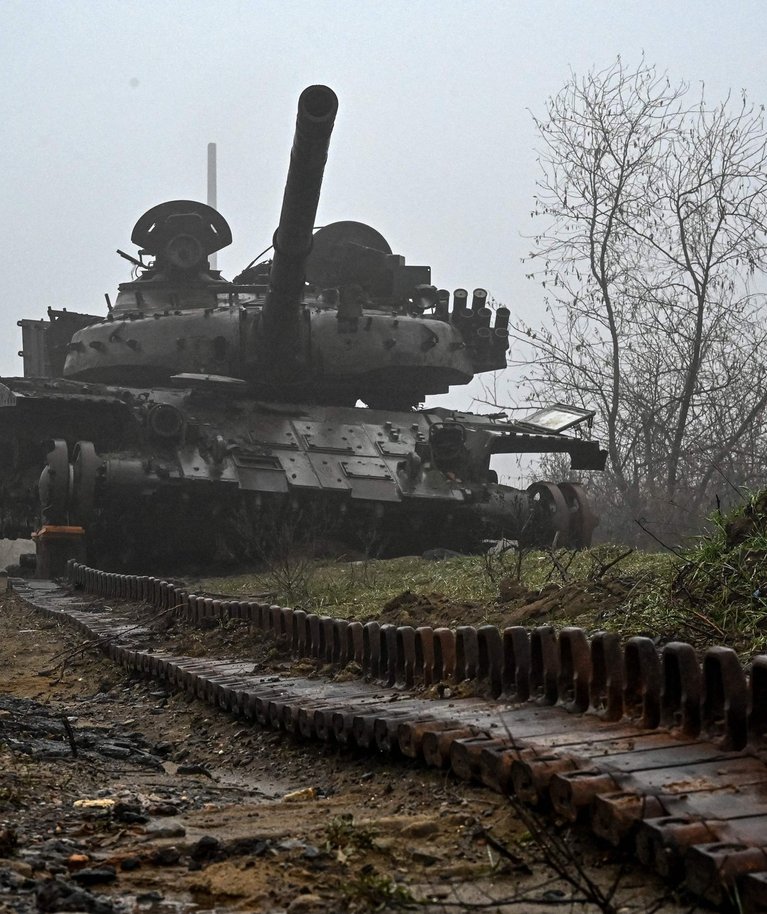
[[122, 832]]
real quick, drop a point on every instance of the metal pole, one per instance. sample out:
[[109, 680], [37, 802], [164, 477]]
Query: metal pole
[[212, 192]]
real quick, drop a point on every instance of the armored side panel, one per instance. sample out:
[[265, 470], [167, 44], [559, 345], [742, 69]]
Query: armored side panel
[[45, 344]]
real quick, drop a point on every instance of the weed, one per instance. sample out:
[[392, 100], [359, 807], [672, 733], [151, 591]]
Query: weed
[[342, 832], [503, 563], [372, 891], [291, 576], [722, 580], [10, 797]]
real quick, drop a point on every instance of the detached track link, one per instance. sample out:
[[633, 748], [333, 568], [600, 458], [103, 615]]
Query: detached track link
[[660, 752]]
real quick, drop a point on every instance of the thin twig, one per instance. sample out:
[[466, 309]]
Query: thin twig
[[70, 735], [562, 569], [657, 540], [605, 568], [99, 642], [507, 902], [729, 483]]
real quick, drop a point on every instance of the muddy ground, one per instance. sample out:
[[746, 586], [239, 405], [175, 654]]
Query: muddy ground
[[116, 796], [515, 605]]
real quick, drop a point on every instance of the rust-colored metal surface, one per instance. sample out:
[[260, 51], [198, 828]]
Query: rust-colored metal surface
[[655, 750]]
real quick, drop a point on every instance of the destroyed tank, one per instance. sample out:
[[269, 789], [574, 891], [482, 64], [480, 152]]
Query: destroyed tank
[[206, 418]]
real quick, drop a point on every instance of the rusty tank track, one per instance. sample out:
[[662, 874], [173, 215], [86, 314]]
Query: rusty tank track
[[658, 751]]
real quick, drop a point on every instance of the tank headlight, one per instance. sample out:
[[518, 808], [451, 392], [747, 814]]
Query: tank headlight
[[165, 422], [184, 252]]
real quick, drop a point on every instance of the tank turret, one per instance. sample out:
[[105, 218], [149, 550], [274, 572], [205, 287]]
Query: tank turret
[[334, 317], [202, 416]]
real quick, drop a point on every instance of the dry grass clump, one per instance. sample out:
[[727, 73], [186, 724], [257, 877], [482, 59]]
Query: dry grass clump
[[714, 591]]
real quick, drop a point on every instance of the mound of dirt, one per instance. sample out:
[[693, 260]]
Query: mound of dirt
[[409, 608], [515, 604], [560, 601]]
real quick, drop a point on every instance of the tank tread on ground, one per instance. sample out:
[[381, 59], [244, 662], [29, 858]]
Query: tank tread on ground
[[659, 751]]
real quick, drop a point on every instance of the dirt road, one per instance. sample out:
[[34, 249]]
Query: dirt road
[[116, 796]]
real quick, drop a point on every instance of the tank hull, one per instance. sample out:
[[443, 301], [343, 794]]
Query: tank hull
[[207, 471]]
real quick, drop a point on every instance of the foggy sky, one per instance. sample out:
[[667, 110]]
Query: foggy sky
[[107, 108]]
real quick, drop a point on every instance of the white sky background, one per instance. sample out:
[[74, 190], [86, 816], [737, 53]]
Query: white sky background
[[107, 107]]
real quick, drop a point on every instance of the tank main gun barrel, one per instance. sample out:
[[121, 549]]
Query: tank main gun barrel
[[317, 108]]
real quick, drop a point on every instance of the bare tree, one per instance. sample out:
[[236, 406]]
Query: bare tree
[[654, 226]]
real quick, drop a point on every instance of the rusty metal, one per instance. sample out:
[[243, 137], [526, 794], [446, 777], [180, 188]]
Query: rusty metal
[[516, 665], [682, 689], [661, 752], [411, 733], [607, 676], [725, 699], [424, 653], [406, 665], [615, 816], [661, 842], [465, 754], [753, 892], [444, 654], [490, 659], [713, 871], [572, 792], [388, 662], [495, 767], [544, 664], [574, 669], [466, 653], [757, 722], [436, 744], [642, 685], [531, 775]]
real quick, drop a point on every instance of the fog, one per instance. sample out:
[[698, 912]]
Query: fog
[[107, 109]]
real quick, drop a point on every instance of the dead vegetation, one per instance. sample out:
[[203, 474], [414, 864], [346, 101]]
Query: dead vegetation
[[714, 590]]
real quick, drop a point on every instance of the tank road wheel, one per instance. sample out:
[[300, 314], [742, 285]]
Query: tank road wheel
[[582, 519], [550, 518], [55, 483], [85, 467]]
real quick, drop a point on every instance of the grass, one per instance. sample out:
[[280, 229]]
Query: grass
[[723, 578], [470, 584], [358, 590], [714, 591]]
